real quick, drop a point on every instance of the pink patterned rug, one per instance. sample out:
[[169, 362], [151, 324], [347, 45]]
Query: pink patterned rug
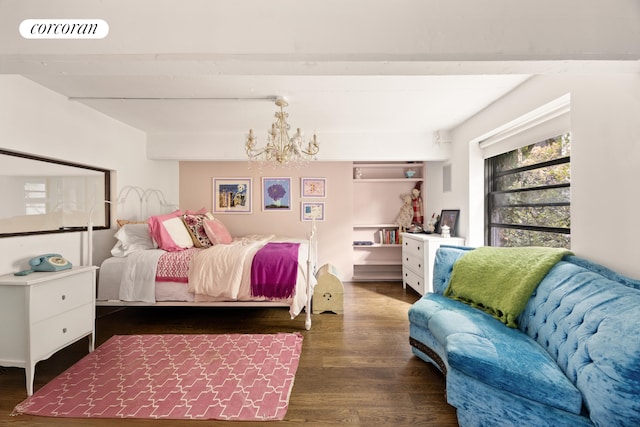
[[223, 377]]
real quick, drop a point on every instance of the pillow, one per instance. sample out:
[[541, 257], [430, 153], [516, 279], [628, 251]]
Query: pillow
[[122, 222], [132, 238], [217, 232], [169, 232], [201, 211], [195, 226]]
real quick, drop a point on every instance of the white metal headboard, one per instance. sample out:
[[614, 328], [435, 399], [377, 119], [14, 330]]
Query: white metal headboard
[[137, 203]]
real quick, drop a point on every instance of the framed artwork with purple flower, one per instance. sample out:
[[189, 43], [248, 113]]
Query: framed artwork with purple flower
[[276, 194]]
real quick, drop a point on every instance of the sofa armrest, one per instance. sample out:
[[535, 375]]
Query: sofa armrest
[[446, 256]]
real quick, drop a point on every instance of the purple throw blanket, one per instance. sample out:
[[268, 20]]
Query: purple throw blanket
[[274, 270]]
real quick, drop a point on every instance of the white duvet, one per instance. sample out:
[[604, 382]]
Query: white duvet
[[138, 282], [218, 273]]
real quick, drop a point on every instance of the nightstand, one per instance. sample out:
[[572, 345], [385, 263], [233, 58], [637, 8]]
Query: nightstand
[[42, 313], [418, 255]]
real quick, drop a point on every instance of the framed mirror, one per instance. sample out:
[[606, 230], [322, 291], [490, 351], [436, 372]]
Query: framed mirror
[[40, 195]]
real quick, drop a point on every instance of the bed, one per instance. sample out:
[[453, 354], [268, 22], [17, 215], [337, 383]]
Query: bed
[[190, 259]]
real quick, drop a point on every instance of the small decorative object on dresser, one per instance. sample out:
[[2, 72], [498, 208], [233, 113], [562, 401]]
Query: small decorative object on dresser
[[418, 255], [44, 312], [449, 217]]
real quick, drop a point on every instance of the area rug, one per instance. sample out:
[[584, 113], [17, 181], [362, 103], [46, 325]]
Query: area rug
[[244, 377]]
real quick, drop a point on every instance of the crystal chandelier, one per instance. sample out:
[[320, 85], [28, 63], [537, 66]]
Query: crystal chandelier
[[281, 148]]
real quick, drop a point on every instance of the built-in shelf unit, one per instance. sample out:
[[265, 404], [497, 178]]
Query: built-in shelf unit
[[378, 187]]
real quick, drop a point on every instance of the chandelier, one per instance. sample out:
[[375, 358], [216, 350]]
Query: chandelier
[[281, 148]]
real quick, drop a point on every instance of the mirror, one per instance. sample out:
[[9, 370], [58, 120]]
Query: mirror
[[41, 195]]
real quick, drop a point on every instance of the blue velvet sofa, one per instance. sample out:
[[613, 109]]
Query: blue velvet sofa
[[573, 360]]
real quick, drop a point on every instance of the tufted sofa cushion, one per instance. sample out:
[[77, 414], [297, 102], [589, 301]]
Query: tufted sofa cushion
[[481, 347], [587, 320]]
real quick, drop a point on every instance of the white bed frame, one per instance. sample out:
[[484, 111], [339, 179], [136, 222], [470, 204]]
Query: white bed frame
[[144, 212]]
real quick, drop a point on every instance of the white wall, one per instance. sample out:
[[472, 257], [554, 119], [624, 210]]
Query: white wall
[[605, 163], [38, 121]]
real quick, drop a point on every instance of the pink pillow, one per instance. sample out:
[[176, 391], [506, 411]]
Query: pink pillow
[[201, 211], [169, 232], [217, 232]]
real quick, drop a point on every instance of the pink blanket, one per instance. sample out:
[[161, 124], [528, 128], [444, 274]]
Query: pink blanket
[[274, 270]]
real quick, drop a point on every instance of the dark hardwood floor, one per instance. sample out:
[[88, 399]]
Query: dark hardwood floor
[[355, 368]]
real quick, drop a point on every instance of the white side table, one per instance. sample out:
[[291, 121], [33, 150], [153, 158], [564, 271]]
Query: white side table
[[42, 313]]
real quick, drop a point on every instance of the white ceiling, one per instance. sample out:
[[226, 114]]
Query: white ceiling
[[415, 104], [409, 67]]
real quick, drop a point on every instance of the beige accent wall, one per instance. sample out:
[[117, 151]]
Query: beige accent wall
[[334, 233]]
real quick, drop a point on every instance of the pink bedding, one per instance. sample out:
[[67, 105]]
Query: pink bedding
[[174, 266]]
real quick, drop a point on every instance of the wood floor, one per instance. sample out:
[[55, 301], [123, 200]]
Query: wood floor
[[356, 369]]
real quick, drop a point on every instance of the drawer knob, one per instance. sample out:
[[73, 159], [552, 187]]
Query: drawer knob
[[64, 330], [64, 297], [418, 247], [419, 265]]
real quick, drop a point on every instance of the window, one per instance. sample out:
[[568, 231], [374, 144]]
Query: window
[[35, 198], [528, 195]]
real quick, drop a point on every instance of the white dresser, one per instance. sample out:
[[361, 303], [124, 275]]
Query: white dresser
[[42, 313], [418, 255]]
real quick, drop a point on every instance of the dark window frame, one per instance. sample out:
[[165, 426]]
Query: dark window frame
[[491, 178]]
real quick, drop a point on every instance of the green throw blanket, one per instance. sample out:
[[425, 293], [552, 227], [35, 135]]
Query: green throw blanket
[[500, 281]]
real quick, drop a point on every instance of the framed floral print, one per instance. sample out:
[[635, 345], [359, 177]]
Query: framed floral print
[[276, 194], [232, 195]]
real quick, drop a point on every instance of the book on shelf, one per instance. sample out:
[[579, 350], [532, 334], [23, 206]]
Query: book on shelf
[[389, 236]]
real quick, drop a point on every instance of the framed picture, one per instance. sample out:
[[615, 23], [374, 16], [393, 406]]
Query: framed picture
[[449, 217], [312, 210], [276, 194], [232, 195], [313, 187]]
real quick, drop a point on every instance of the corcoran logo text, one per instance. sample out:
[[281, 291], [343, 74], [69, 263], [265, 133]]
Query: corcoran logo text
[[64, 29]]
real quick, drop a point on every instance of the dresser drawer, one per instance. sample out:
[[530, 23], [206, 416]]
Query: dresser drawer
[[414, 263], [57, 296], [414, 281], [413, 247], [49, 335]]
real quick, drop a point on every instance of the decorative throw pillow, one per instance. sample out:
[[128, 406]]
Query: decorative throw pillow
[[132, 238], [217, 232], [169, 232], [195, 225]]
